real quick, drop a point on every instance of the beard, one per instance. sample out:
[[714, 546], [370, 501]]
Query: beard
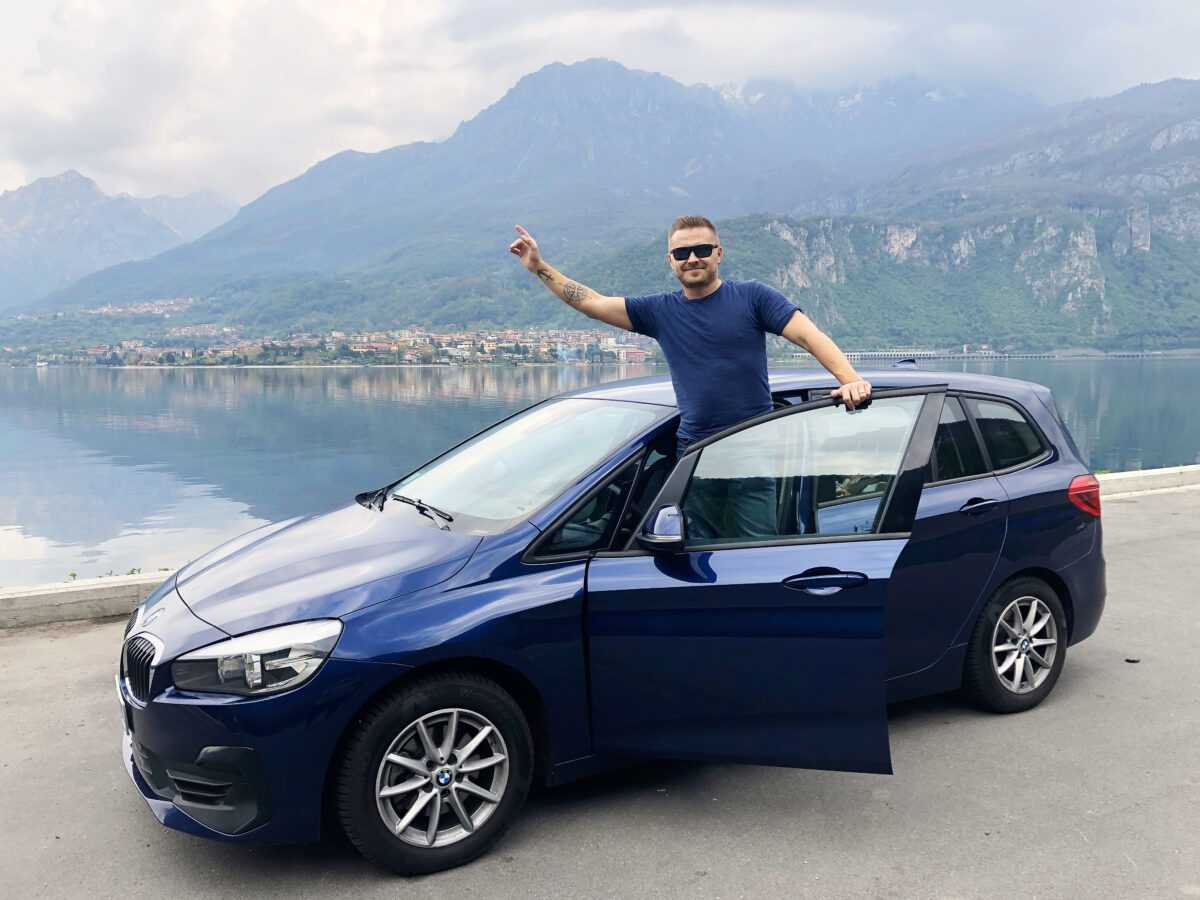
[[698, 278]]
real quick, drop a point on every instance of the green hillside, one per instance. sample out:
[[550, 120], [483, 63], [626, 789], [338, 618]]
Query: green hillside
[[1020, 283]]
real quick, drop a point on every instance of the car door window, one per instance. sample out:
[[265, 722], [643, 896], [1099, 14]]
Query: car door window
[[813, 473], [1007, 434], [956, 452]]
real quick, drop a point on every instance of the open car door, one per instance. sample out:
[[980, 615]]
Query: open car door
[[758, 636]]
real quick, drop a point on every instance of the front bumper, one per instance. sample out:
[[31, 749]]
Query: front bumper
[[224, 789], [246, 769], [203, 820]]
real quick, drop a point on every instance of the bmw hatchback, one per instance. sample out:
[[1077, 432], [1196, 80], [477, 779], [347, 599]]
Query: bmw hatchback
[[558, 596]]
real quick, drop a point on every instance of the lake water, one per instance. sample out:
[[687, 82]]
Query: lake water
[[110, 470]]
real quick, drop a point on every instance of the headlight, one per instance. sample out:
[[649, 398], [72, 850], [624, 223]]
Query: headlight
[[260, 663]]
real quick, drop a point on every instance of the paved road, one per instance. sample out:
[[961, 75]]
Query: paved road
[[1094, 794]]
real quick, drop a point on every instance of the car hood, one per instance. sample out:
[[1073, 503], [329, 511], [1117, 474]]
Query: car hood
[[326, 565]]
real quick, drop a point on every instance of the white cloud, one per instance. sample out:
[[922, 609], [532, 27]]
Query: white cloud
[[238, 95]]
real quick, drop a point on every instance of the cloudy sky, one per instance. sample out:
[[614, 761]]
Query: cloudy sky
[[150, 97]]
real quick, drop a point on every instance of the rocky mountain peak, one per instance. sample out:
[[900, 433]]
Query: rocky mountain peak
[[58, 195]]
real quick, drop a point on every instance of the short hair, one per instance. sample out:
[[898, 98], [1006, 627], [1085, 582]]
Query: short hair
[[690, 222]]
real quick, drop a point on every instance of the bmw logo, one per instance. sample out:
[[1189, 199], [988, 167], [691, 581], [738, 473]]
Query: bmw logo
[[1024, 645], [443, 777]]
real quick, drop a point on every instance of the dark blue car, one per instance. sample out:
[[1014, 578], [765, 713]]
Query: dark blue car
[[559, 595]]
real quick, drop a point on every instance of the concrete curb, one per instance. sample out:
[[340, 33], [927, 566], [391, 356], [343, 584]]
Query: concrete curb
[[87, 598], [98, 598], [1114, 483]]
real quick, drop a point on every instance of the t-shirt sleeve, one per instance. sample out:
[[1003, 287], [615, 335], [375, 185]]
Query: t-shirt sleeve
[[641, 312], [773, 309]]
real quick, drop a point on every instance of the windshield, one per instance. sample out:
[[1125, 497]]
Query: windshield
[[514, 468]]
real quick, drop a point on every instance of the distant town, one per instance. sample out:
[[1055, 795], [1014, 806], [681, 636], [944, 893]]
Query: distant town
[[214, 343]]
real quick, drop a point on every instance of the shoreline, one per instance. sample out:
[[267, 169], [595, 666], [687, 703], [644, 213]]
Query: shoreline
[[882, 357], [116, 595], [518, 365]]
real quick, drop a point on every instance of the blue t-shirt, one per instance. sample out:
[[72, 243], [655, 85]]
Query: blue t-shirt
[[716, 348]]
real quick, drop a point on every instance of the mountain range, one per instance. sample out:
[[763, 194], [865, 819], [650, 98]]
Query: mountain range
[[59, 229], [903, 213], [591, 154]]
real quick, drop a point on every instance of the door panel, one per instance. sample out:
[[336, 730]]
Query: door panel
[[709, 655], [763, 642], [940, 575]]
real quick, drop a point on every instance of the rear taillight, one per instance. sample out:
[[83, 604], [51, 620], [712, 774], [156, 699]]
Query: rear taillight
[[1084, 492]]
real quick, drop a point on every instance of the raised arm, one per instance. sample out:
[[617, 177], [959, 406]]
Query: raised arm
[[801, 331], [592, 304]]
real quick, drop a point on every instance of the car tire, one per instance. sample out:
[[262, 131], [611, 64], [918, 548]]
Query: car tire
[[433, 774], [1014, 658]]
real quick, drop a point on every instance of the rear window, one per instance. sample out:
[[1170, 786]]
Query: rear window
[[1009, 437]]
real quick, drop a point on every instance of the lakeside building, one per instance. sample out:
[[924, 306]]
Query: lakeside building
[[413, 345]]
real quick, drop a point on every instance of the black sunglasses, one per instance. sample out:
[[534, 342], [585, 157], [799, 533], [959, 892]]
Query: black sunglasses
[[702, 251]]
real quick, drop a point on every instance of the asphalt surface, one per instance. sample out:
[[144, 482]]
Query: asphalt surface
[[1096, 793]]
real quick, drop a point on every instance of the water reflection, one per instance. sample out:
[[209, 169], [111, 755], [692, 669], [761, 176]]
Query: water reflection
[[110, 470], [1124, 414]]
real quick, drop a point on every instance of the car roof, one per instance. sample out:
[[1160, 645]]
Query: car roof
[[658, 388]]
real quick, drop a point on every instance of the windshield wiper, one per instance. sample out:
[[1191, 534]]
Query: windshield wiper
[[425, 509]]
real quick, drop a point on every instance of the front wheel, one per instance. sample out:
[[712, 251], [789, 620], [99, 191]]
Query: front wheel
[[435, 773], [1017, 649]]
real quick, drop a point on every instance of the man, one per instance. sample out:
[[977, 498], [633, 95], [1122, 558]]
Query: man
[[712, 333]]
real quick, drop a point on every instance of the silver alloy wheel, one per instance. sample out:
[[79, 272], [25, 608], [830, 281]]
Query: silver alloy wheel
[[1024, 644], [442, 778]]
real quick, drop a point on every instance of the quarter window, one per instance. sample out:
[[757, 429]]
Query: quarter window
[[660, 460], [591, 525], [1007, 434]]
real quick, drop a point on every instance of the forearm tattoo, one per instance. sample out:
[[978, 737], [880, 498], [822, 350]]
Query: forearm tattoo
[[545, 275], [574, 293]]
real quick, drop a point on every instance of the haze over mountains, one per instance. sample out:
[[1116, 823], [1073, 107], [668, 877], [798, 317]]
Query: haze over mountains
[[903, 213], [190, 216], [591, 154], [56, 230]]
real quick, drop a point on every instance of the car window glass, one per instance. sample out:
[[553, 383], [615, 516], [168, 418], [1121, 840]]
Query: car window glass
[[956, 453], [1008, 436], [502, 475], [591, 525], [818, 472], [660, 460]]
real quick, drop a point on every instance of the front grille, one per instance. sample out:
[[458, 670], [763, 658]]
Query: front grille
[[135, 667], [133, 617]]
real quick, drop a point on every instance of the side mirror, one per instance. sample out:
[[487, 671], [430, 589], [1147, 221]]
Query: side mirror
[[663, 531]]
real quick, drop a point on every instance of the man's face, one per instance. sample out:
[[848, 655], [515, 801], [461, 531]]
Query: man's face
[[694, 272]]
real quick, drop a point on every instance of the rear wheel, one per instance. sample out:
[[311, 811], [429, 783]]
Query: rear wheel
[[1017, 649], [435, 773]]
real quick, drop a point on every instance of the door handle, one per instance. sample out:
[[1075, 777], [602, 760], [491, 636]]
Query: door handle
[[977, 505], [824, 582]]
